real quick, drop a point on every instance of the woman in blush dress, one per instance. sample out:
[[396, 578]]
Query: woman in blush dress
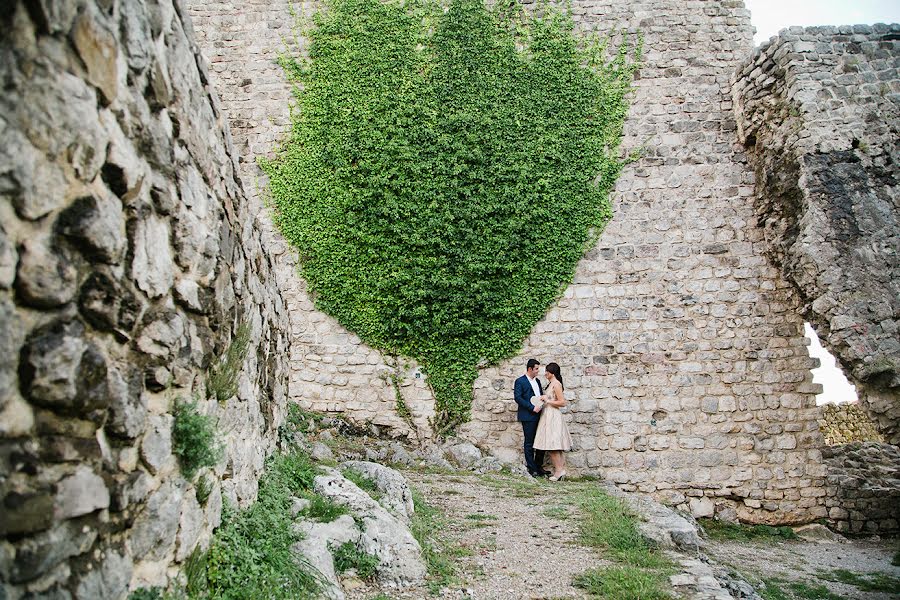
[[552, 433]]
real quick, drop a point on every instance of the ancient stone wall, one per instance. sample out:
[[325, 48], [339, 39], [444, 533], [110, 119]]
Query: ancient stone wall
[[863, 487], [681, 344], [128, 258], [819, 111], [845, 423]]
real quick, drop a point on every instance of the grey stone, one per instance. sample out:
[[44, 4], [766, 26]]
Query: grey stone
[[8, 260], [384, 536], [136, 35], [109, 304], [45, 278], [152, 267], [97, 226], [26, 512], [815, 532], [36, 185], [53, 17], [153, 533], [464, 454], [190, 526], [320, 451], [12, 335], [434, 457], [97, 45], [298, 505], [396, 494], [38, 554], [109, 580], [156, 447], [316, 546], [162, 335], [79, 494], [123, 172], [190, 295], [130, 489], [659, 523], [63, 371], [127, 405]]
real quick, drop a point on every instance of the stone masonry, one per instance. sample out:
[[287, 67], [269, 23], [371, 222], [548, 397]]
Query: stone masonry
[[128, 257], [819, 111], [680, 341]]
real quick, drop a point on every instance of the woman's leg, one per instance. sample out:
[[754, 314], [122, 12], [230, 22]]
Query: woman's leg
[[554, 458]]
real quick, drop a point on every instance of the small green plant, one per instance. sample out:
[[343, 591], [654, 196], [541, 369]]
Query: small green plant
[[867, 582], [203, 488], [808, 591], [153, 593], [323, 510], [349, 556], [222, 380], [556, 512], [250, 557], [720, 530], [481, 517], [194, 439], [195, 574], [621, 583]]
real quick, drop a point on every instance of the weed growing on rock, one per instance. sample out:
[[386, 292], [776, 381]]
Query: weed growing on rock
[[363, 483], [194, 439], [250, 557], [223, 375], [349, 556], [323, 510]]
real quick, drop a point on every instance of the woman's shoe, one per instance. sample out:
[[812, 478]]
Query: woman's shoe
[[558, 477]]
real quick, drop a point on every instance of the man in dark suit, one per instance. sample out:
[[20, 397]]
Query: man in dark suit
[[527, 386]]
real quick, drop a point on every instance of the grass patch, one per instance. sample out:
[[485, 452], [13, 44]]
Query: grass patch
[[867, 582], [556, 512], [194, 439], [719, 530], [622, 583], [349, 556], [481, 517], [608, 523], [250, 557], [222, 381], [426, 526], [323, 510], [203, 488], [363, 483]]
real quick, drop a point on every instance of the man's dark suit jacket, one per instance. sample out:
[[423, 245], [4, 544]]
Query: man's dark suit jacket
[[523, 393]]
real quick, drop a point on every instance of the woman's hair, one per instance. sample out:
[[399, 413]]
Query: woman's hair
[[554, 368]]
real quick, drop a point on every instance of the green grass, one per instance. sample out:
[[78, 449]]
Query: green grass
[[194, 439], [719, 530], [771, 590], [363, 483], [426, 526], [481, 517], [556, 512], [323, 510], [621, 583], [203, 488], [607, 523], [777, 588], [250, 556], [868, 582], [349, 556]]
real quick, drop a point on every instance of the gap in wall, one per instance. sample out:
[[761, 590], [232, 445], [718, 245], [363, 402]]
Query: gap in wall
[[836, 389]]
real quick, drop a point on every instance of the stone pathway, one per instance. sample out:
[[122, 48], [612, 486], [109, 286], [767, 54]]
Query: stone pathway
[[518, 538]]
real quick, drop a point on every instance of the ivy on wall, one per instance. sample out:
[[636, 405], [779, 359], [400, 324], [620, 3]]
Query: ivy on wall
[[445, 171]]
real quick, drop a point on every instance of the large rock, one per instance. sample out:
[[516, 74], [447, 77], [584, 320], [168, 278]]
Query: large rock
[[156, 447], [37, 186], [96, 225], [110, 304], [396, 494], [659, 523], [384, 536], [153, 534], [464, 454], [190, 526], [46, 277], [152, 267], [109, 579], [127, 405], [79, 494], [319, 540], [38, 554]]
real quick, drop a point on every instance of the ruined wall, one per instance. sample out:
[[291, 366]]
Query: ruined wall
[[863, 487], [680, 342], [819, 111], [127, 259], [845, 423]]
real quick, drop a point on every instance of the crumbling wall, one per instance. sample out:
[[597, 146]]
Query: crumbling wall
[[819, 111], [863, 491], [845, 423], [128, 259]]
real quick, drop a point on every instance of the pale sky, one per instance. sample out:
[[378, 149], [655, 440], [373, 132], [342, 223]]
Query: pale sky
[[769, 16], [835, 387]]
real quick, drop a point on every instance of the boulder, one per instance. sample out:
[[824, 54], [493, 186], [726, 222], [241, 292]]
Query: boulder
[[815, 532], [152, 267], [320, 451], [660, 523], [383, 535], [434, 457], [396, 494], [319, 539], [46, 278], [464, 454], [96, 225], [79, 494], [38, 554]]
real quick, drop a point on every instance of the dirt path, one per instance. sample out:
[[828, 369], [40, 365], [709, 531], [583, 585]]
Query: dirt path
[[811, 563], [517, 538]]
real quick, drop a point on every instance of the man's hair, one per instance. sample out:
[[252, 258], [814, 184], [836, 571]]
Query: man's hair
[[532, 362]]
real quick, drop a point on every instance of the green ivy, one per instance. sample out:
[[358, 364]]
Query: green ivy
[[445, 172]]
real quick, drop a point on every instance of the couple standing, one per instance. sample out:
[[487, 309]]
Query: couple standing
[[542, 422]]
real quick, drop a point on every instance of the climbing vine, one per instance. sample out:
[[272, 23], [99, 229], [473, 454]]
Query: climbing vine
[[445, 171]]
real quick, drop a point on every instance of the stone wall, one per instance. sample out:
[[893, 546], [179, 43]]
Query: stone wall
[[680, 342], [863, 487], [819, 111], [128, 258], [845, 423]]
